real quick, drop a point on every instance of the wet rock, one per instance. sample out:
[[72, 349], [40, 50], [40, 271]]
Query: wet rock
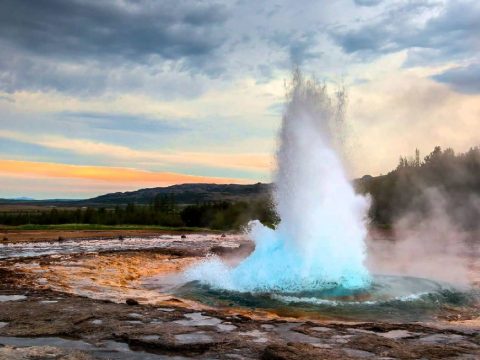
[[320, 329], [135, 316], [242, 318], [341, 339], [226, 327], [268, 326], [41, 352], [380, 346], [257, 336], [243, 250], [131, 302], [293, 333], [188, 343], [398, 334], [183, 236], [197, 319], [441, 339], [48, 301], [193, 338], [385, 347], [134, 322], [358, 353], [295, 351], [165, 309]]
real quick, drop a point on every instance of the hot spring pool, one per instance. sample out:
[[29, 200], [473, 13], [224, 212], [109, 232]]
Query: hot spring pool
[[388, 298]]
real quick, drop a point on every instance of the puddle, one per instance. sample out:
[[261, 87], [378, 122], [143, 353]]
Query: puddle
[[320, 329], [193, 338], [259, 336], [197, 319], [441, 339], [397, 334], [192, 242], [226, 327], [135, 316], [5, 298]]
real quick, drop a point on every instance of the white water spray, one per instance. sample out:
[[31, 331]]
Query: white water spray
[[320, 240]]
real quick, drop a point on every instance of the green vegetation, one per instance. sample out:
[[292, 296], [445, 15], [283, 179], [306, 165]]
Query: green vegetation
[[162, 212], [443, 180]]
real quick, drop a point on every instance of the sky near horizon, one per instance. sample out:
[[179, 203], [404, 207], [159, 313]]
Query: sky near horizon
[[116, 95]]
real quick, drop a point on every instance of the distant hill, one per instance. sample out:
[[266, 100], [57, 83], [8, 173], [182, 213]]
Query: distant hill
[[21, 198], [184, 194]]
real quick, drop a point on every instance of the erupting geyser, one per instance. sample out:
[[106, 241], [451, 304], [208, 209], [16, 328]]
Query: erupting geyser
[[319, 242]]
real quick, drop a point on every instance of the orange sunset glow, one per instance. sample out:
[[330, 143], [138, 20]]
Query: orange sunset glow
[[102, 173]]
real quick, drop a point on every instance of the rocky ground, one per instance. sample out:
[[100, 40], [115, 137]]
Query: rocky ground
[[15, 236], [42, 321]]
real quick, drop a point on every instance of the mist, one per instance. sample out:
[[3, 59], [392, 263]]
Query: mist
[[435, 236]]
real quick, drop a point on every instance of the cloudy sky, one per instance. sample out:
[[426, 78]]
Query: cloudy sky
[[101, 96]]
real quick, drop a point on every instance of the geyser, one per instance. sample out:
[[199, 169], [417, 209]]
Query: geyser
[[319, 242]]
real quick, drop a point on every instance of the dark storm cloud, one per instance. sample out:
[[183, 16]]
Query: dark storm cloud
[[463, 79], [129, 29], [451, 33], [19, 72], [90, 47]]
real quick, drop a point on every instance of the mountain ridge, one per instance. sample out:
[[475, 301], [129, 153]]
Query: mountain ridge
[[189, 193]]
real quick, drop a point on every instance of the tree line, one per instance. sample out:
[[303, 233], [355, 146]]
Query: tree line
[[163, 210], [455, 179]]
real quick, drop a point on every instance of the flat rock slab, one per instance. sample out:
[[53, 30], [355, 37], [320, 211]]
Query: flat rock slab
[[188, 343], [296, 351]]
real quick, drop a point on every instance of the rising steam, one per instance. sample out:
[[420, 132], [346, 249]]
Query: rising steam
[[320, 240]]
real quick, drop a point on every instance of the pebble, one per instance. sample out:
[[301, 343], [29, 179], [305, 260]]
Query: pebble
[[131, 302]]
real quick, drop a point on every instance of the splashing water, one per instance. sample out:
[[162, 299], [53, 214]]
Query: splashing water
[[320, 240]]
